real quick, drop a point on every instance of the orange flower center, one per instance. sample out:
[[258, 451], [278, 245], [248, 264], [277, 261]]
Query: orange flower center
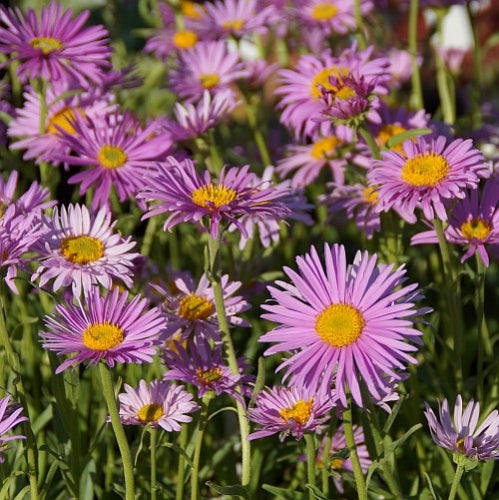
[[300, 412], [321, 81], [111, 156], [370, 195], [209, 80], [63, 120], [234, 25], [193, 307], [339, 325], [476, 229], [210, 195], [46, 44], [386, 133], [102, 336], [82, 249], [151, 412], [191, 9], [184, 39], [426, 169], [324, 11], [324, 147], [206, 377]]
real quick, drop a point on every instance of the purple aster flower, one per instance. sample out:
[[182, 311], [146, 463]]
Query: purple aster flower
[[10, 416], [61, 112], [111, 328], [461, 436], [206, 66], [400, 66], [179, 189], [203, 366], [54, 46], [190, 307], [347, 321], [289, 411], [158, 404], [473, 223], [80, 249], [425, 174], [118, 152]]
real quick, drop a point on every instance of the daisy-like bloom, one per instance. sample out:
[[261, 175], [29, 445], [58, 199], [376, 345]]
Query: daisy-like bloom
[[202, 366], [61, 111], [111, 328], [307, 160], [118, 152], [473, 223], [158, 404], [338, 443], [302, 87], [347, 321], [190, 307], [461, 435], [206, 66], [10, 416], [179, 189], [289, 411], [193, 121], [425, 174], [54, 46], [80, 249]]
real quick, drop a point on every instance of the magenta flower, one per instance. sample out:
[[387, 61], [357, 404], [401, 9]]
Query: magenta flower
[[53, 45], [289, 411], [118, 152], [347, 321], [461, 436], [111, 328], [10, 416], [179, 189], [158, 404], [473, 223], [203, 366], [80, 249], [427, 173]]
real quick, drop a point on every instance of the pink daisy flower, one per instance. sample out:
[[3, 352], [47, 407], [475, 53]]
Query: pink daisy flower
[[179, 189], [158, 404], [118, 152], [347, 321], [54, 46], [206, 66], [425, 174], [203, 367], [473, 223], [10, 416], [289, 411], [111, 328], [80, 249], [61, 112], [461, 435]]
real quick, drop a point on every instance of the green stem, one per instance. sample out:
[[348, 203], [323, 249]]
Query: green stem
[[309, 441], [477, 82], [354, 457], [154, 435], [203, 420], [361, 39], [216, 158], [325, 463], [15, 366], [119, 432], [447, 102], [179, 494], [367, 136], [455, 482], [417, 92], [214, 259], [257, 134], [151, 231], [44, 166]]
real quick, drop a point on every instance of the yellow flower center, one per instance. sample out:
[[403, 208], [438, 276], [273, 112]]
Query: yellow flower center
[[151, 412], [209, 80], [426, 169], [370, 195], [82, 249], [324, 11], [234, 25], [321, 80], [184, 39], [206, 377], [386, 133], [193, 307], [102, 336], [337, 463], [476, 228], [460, 444], [324, 147], [210, 195], [191, 9], [299, 412], [63, 120], [339, 325], [46, 44], [111, 156]]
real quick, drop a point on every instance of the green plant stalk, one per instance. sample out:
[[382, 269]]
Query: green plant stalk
[[151, 230], [354, 457], [361, 39], [214, 260], [455, 482], [203, 420], [179, 494], [152, 445], [309, 441], [44, 166], [325, 464], [119, 432], [447, 102], [417, 91], [477, 82], [257, 134], [13, 360], [371, 142]]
